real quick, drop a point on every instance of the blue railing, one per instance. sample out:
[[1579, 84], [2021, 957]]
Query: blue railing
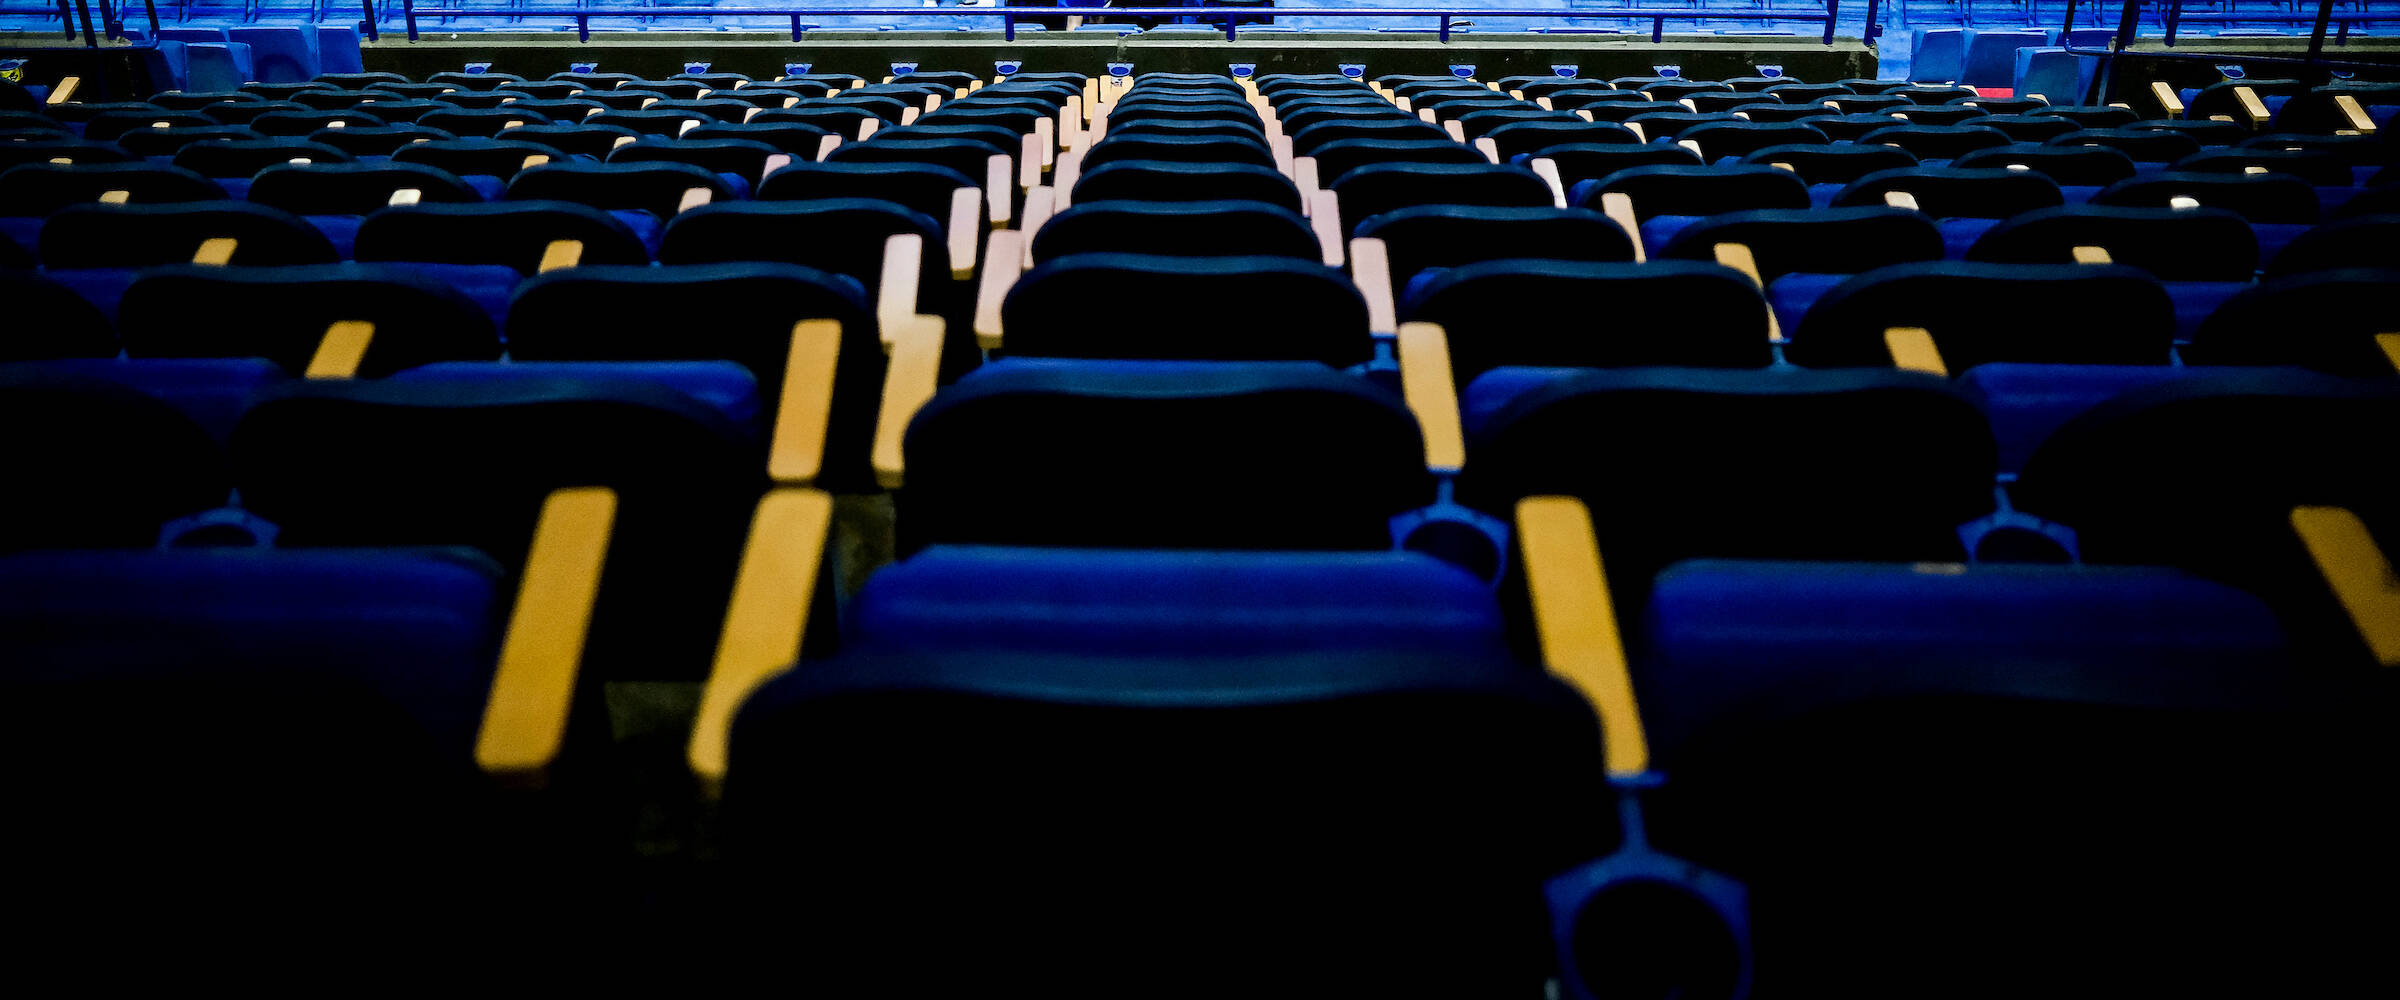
[[1446, 18]]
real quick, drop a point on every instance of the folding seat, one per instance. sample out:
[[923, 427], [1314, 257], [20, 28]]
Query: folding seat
[[1937, 142], [1335, 159], [338, 100], [360, 81], [563, 110], [243, 158], [300, 123], [416, 320], [326, 192], [1162, 181], [1851, 127], [899, 255], [1179, 130], [390, 112], [2321, 169], [802, 142], [1964, 199], [2252, 101], [656, 120], [1871, 104], [1727, 101], [1675, 124], [659, 189], [2144, 146], [2089, 116], [137, 236], [1176, 229], [22, 121], [1127, 110], [1734, 140], [580, 140], [2346, 330], [1586, 99], [1822, 165], [715, 110], [1796, 256], [2362, 151], [2205, 473], [1372, 190], [484, 164], [1529, 137], [936, 192], [483, 100], [2019, 105], [38, 189], [378, 141], [2322, 110], [79, 112], [2260, 198], [1587, 314], [108, 125], [244, 114], [1623, 111], [51, 321], [747, 160], [1972, 314], [1298, 118], [1117, 148], [2071, 166], [1414, 240], [2030, 127], [1779, 113], [1306, 139], [164, 143], [1942, 114], [1665, 199], [415, 91], [1928, 94], [514, 234], [624, 100], [475, 81], [194, 100], [593, 313], [1059, 309], [2365, 241], [1580, 162], [2208, 132], [482, 123], [2175, 245], [1806, 93], [123, 453], [1676, 90]]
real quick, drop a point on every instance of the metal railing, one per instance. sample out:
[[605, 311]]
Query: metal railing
[[1446, 18]]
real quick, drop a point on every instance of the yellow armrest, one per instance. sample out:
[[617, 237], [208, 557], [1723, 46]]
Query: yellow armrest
[[411, 196], [1040, 204], [908, 381], [2357, 115], [962, 228], [1001, 262], [896, 288], [525, 720], [215, 251], [65, 91], [2252, 108], [1062, 180], [1091, 99], [764, 621], [1913, 350], [344, 347], [2093, 255], [796, 452], [1371, 271], [1901, 200], [1325, 216], [2390, 343], [2358, 573], [2167, 100], [1030, 154], [1577, 620], [908, 116], [1619, 209], [1045, 134], [560, 253], [1738, 257], [999, 186], [1304, 177], [529, 163], [1425, 380]]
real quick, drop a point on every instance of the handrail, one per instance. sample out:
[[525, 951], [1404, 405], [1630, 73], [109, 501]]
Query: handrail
[[1231, 16]]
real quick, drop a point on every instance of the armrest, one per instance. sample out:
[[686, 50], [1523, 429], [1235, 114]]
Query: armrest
[[2252, 108], [1901, 200], [1577, 621], [796, 452], [692, 198], [1062, 180], [525, 720], [1032, 152], [1046, 137], [2390, 343], [1325, 216], [1738, 257], [115, 197], [908, 116], [1489, 148], [411, 196], [933, 103], [908, 381], [1456, 130], [1099, 120], [1070, 124], [558, 254], [621, 142], [1427, 116], [215, 251], [64, 93], [867, 126], [1304, 177], [2358, 573], [826, 145], [2167, 99], [1619, 209], [999, 186], [2092, 255], [529, 163], [962, 228], [1281, 147], [1694, 146], [1371, 271], [1547, 169], [1040, 205], [1426, 381], [1913, 350], [896, 287], [1639, 134], [344, 347], [764, 621], [1003, 260], [2357, 116]]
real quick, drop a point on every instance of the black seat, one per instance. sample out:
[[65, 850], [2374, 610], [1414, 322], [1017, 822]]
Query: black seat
[[1072, 307], [1978, 313]]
